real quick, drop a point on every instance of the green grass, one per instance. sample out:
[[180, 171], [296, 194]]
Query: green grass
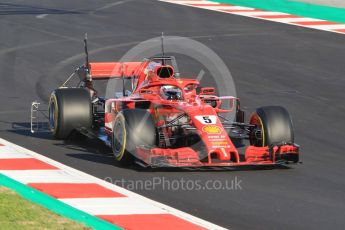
[[19, 213]]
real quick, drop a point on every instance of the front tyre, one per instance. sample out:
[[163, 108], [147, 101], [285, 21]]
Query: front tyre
[[273, 126], [132, 128]]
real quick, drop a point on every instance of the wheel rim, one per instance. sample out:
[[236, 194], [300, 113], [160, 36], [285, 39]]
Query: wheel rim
[[254, 140]]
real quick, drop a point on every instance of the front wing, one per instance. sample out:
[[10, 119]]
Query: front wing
[[187, 157]]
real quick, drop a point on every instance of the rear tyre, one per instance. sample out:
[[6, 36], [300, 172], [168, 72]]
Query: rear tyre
[[132, 128], [274, 126], [69, 109]]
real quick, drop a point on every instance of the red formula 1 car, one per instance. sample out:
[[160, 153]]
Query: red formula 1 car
[[162, 121]]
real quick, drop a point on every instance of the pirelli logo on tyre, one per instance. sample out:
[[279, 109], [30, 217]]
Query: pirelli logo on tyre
[[212, 129]]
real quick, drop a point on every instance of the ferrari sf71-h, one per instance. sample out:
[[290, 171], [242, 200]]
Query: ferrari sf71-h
[[165, 120]]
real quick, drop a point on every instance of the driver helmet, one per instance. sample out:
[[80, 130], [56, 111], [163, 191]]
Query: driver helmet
[[170, 92]]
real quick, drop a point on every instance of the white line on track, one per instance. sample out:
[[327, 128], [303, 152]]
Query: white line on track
[[41, 16], [44, 176], [113, 206], [193, 2], [291, 20], [257, 13], [107, 6], [329, 27], [216, 7], [8, 153]]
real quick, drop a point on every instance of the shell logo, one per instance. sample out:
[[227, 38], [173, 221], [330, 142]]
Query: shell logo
[[212, 129]]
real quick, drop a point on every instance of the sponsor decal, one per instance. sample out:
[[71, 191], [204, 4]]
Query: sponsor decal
[[219, 143], [212, 129], [215, 137]]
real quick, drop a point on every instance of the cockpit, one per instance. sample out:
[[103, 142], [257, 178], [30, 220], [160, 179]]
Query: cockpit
[[171, 92]]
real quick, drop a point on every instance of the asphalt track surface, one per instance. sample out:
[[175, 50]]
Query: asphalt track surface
[[272, 64]]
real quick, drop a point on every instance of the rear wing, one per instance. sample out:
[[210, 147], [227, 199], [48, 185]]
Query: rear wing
[[107, 70]]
